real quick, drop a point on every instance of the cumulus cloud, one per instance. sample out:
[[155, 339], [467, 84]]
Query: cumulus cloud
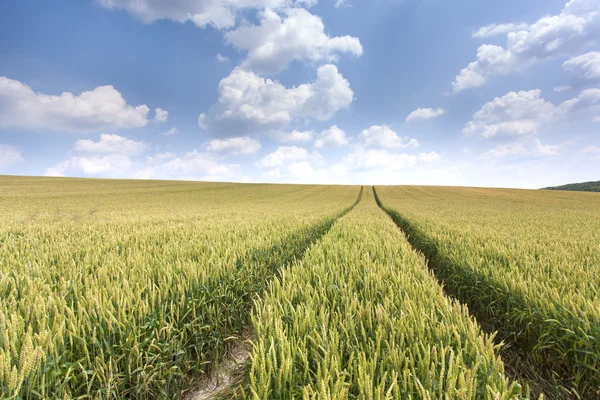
[[295, 165], [160, 115], [10, 155], [221, 58], [522, 113], [110, 144], [498, 29], [380, 149], [98, 109], [249, 104], [332, 137], [283, 155], [116, 156], [91, 165], [294, 137], [548, 38], [521, 150], [193, 165], [587, 101], [584, 68], [234, 146], [299, 172], [385, 160], [424, 113], [516, 113], [383, 136], [278, 40], [110, 155], [220, 14]]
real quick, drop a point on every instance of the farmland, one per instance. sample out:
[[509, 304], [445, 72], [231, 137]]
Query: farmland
[[122, 289], [527, 262], [134, 289]]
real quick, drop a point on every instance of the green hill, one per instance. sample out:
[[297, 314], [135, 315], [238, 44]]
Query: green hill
[[578, 187]]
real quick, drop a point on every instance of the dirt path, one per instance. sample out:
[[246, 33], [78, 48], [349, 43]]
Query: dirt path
[[230, 371], [220, 382]]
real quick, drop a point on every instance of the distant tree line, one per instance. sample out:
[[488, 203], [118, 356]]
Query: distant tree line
[[578, 187]]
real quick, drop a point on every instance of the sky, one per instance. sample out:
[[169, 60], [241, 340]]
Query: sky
[[428, 92]]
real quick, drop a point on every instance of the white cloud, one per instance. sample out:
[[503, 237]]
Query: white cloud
[[160, 158], [250, 104], [521, 150], [109, 156], [549, 37], [341, 3], [193, 165], [10, 155], [429, 157], [561, 89], [160, 115], [218, 13], [110, 144], [235, 146], [294, 136], [588, 100], [221, 58], [515, 114], [115, 156], [424, 113], [584, 68], [332, 137], [498, 29], [596, 119], [296, 34], [101, 108], [91, 165], [299, 172], [383, 136], [363, 158], [171, 132], [294, 164], [283, 155], [522, 113]]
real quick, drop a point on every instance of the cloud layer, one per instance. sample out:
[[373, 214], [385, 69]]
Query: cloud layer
[[549, 37], [522, 113], [234, 146], [103, 108], [217, 13], [584, 68]]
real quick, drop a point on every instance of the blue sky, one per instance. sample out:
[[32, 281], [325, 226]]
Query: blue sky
[[473, 93]]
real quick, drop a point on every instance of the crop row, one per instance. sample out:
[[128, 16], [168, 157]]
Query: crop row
[[526, 261], [361, 317], [126, 292]]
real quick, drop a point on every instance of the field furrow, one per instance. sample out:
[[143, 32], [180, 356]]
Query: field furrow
[[526, 263], [361, 317], [117, 295]]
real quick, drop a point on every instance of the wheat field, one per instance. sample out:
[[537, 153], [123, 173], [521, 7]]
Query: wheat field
[[116, 289]]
